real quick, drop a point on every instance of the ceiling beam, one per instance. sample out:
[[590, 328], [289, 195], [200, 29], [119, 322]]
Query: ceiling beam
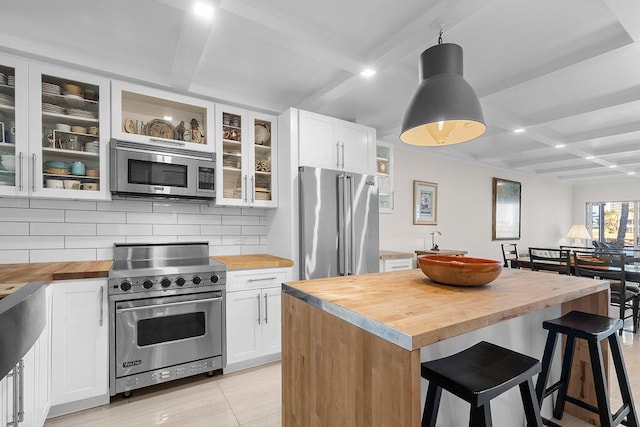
[[627, 13], [194, 35]]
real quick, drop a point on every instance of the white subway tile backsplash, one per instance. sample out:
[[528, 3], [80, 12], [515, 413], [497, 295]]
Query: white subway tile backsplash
[[126, 206], [62, 229], [199, 219], [178, 207], [92, 241], [96, 217], [14, 229], [32, 242], [152, 218], [221, 230], [264, 240], [62, 204], [39, 230], [240, 220], [25, 214], [44, 255], [123, 229], [8, 202], [14, 256], [176, 230], [251, 250], [254, 230]]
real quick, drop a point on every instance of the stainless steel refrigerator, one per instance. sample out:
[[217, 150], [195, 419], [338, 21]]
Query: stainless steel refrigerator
[[339, 224]]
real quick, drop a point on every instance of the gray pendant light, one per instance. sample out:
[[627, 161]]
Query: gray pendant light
[[445, 109]]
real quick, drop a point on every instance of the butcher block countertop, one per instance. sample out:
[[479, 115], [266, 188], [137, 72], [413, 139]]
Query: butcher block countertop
[[408, 309], [50, 271], [395, 255], [246, 262]]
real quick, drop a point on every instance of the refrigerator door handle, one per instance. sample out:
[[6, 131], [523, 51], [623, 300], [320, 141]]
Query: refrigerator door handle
[[342, 265], [352, 228]]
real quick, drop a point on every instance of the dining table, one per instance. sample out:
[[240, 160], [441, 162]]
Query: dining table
[[631, 271]]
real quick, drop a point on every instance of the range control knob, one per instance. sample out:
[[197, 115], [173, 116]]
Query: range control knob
[[147, 284], [165, 282], [215, 278], [125, 286], [180, 281], [196, 280]]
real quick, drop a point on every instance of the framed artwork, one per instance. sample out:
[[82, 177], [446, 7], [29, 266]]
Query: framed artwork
[[425, 203], [506, 209]]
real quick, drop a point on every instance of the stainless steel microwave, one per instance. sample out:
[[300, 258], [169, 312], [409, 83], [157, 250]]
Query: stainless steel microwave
[[159, 171]]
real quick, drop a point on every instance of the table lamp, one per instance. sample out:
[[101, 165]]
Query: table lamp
[[578, 232], [434, 247]]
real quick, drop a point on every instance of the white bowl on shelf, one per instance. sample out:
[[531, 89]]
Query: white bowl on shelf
[[62, 127]]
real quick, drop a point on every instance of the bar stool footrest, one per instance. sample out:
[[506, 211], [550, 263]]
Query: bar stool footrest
[[549, 423], [583, 405]]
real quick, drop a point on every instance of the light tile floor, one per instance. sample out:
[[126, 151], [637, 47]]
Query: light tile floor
[[249, 398]]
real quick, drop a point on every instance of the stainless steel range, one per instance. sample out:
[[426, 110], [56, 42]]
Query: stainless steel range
[[166, 312]]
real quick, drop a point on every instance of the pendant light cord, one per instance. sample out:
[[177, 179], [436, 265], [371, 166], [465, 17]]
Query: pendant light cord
[[440, 37]]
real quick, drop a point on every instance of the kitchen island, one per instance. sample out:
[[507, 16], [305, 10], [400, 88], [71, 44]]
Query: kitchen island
[[352, 346]]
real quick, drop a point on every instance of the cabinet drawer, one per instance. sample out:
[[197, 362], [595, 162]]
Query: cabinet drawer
[[256, 279], [398, 264]]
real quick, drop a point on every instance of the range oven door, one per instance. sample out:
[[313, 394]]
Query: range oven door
[[155, 333]]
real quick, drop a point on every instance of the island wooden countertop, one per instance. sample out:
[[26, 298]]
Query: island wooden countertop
[[410, 310], [245, 262]]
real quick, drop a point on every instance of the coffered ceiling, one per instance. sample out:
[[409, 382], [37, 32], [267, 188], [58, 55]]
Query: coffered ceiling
[[565, 71]]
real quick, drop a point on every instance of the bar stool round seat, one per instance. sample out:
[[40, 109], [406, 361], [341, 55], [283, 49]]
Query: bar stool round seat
[[594, 329], [477, 375]]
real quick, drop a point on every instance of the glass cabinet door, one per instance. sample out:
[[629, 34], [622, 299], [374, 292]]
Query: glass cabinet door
[[232, 179], [13, 127], [264, 138], [384, 169], [69, 132]]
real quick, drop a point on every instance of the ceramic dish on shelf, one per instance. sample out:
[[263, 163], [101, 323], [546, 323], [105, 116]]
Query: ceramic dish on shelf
[[161, 129], [130, 126], [72, 96], [69, 88], [262, 134]]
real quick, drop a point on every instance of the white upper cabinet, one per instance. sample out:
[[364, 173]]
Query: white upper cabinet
[[68, 134], [246, 146], [384, 170], [331, 143], [147, 115], [14, 139]]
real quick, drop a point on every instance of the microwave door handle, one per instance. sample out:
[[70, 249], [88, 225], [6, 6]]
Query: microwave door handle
[[168, 304]]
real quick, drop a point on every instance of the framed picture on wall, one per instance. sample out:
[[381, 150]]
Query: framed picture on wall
[[506, 209], [425, 203]]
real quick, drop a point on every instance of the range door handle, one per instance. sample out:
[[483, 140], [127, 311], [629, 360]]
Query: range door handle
[[167, 304]]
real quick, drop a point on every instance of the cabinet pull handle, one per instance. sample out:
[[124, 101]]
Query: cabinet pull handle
[[101, 305], [342, 155], [266, 310], [21, 170], [253, 190], [21, 391], [262, 279], [33, 172], [245, 188], [15, 407], [395, 267], [337, 154], [259, 309]]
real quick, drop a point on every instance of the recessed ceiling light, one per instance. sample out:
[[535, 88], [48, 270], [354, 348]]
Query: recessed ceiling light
[[519, 130], [613, 166], [589, 157], [560, 146], [631, 173], [368, 73], [169, 118], [203, 9]]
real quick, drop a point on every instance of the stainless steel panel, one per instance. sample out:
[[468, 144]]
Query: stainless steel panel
[[22, 319], [319, 254], [132, 358], [365, 223]]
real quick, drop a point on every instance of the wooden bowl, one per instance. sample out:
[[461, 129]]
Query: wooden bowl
[[459, 270]]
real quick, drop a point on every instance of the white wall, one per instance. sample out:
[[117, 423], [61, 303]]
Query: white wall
[[464, 206], [611, 192], [36, 230]]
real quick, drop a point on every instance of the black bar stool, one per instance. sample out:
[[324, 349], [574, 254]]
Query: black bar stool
[[593, 329], [477, 375]]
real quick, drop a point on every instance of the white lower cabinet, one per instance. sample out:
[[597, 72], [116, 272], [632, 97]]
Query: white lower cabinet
[[396, 264], [253, 310], [35, 390], [79, 345]]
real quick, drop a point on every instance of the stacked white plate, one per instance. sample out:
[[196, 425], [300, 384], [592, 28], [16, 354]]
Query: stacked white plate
[[52, 108], [50, 88], [92, 147], [81, 113], [3, 79], [7, 99], [11, 80]]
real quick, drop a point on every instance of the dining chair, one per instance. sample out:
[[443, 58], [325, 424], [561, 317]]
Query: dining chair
[[509, 252], [550, 259], [611, 265]]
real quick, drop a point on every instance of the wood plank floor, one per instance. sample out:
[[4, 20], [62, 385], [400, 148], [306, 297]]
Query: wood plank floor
[[248, 398]]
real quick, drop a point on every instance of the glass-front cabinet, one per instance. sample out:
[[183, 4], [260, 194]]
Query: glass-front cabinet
[[384, 171], [246, 154], [68, 133], [14, 141], [147, 115]]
